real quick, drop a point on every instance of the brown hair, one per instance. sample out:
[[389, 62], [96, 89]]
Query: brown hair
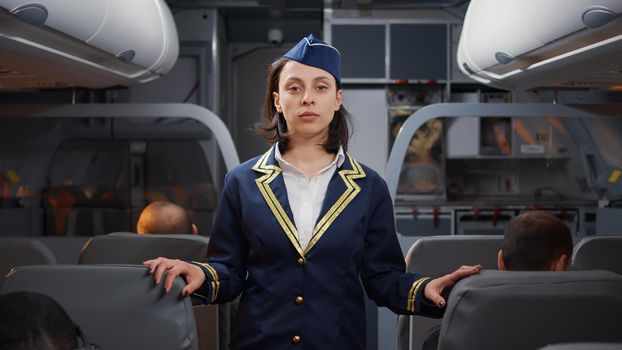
[[274, 127], [533, 240]]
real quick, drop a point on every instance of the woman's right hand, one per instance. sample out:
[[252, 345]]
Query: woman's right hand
[[192, 274]]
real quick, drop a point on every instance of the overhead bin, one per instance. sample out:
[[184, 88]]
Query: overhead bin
[[90, 43], [538, 44]]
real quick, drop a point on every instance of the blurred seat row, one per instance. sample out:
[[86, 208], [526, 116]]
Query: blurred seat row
[[493, 310]]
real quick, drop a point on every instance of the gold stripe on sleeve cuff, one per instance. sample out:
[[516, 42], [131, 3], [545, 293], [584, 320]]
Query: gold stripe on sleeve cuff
[[413, 293], [215, 284]]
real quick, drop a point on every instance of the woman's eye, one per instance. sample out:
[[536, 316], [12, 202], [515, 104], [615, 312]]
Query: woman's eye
[[293, 89]]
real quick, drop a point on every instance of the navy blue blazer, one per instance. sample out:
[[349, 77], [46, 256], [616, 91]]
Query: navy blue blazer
[[311, 298]]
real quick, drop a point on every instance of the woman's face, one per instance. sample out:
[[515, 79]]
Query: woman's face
[[308, 98]]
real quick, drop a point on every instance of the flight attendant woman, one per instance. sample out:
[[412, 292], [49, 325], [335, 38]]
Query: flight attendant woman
[[300, 227]]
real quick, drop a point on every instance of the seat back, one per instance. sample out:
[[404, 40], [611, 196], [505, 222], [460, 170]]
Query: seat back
[[523, 310], [117, 306], [598, 253], [131, 248], [23, 251], [436, 256]]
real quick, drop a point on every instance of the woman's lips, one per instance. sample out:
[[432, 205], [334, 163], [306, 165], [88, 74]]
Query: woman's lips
[[309, 114]]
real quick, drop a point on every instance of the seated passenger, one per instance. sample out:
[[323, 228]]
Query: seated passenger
[[33, 321], [165, 218], [535, 241]]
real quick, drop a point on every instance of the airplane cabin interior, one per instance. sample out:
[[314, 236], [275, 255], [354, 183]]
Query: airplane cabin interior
[[472, 111]]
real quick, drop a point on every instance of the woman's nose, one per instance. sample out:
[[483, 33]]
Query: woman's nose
[[308, 98]]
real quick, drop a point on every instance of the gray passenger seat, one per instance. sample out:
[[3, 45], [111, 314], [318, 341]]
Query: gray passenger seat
[[598, 253], [131, 248], [435, 256], [117, 307], [16, 252], [523, 310]]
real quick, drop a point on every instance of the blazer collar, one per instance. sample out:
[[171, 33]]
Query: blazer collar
[[342, 189]]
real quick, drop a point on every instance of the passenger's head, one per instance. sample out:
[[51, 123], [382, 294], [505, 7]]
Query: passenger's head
[[535, 241], [32, 321], [165, 218], [306, 80]]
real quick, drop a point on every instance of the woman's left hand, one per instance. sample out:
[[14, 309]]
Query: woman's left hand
[[434, 289]]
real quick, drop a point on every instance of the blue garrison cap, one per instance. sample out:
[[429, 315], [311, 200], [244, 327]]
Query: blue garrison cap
[[316, 53]]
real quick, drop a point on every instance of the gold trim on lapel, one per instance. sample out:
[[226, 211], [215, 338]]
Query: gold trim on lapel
[[272, 171], [352, 189]]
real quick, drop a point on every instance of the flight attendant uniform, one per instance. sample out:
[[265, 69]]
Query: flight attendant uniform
[[307, 297]]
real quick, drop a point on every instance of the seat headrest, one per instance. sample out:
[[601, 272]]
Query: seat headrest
[[23, 251], [598, 253], [128, 248], [423, 256], [526, 310]]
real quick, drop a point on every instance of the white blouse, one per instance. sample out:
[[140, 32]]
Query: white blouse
[[306, 197]]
